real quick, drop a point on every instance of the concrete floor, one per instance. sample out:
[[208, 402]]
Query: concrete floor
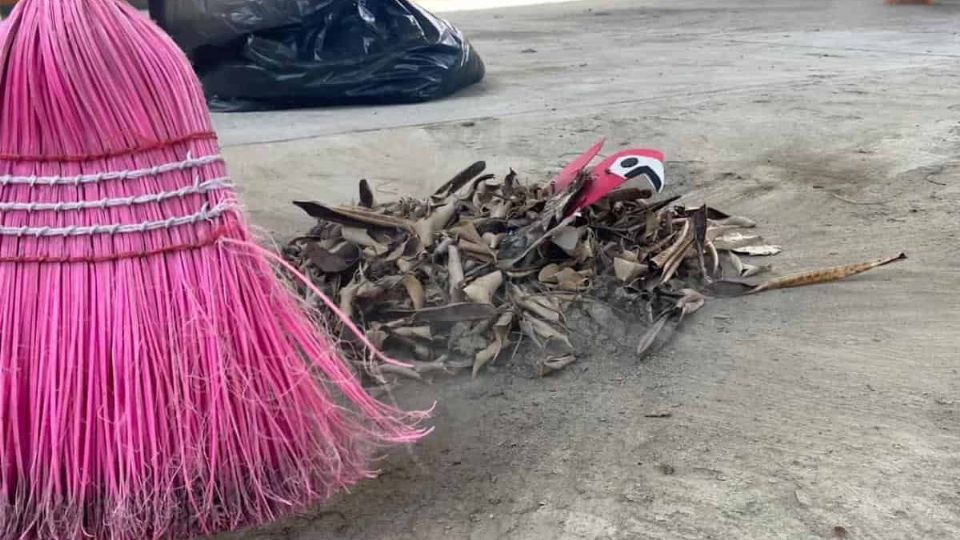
[[793, 412]]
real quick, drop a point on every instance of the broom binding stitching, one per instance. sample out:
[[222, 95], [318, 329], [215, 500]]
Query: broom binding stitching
[[205, 214], [197, 188], [203, 135], [188, 163], [62, 259]]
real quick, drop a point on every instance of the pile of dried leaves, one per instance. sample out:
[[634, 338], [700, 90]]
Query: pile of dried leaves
[[450, 281]]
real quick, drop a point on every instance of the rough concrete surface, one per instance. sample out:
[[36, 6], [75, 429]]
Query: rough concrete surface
[[808, 413]]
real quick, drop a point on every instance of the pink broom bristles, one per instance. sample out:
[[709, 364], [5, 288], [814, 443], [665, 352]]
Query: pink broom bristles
[[156, 379]]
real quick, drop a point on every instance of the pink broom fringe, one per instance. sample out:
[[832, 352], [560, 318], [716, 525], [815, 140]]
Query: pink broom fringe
[[156, 379]]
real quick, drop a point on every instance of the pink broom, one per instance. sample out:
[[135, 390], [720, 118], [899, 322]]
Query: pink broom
[[156, 379]]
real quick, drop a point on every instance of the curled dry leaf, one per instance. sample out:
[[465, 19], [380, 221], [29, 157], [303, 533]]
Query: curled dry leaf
[[500, 210], [628, 194], [650, 336], [455, 272], [732, 239], [735, 262], [405, 265], [376, 336], [546, 336], [548, 274], [347, 294], [354, 217], [690, 302], [483, 288], [728, 288], [459, 312], [670, 258], [402, 371], [554, 364], [418, 332], [467, 230], [538, 306], [415, 291], [427, 227], [430, 367], [477, 250], [569, 279], [461, 179], [366, 195], [714, 267], [763, 250], [567, 239], [501, 329], [360, 237], [737, 221], [750, 270], [628, 271], [332, 262], [825, 275], [418, 349]]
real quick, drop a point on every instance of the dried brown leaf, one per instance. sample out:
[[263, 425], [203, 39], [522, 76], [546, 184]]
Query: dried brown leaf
[[482, 289], [521, 274], [714, 267], [650, 336], [762, 250], [492, 240], [466, 230], [543, 238], [627, 270], [454, 273], [332, 261], [670, 258], [354, 217], [546, 336], [360, 237], [428, 226], [403, 371], [478, 250], [554, 364], [376, 336], [737, 221], [567, 239], [750, 270], [548, 274], [732, 239], [538, 306], [415, 291], [488, 354], [485, 355], [459, 312], [413, 332], [736, 263], [825, 275], [366, 195], [690, 302], [628, 194], [405, 265], [460, 179], [347, 294], [500, 210], [728, 288], [569, 279]]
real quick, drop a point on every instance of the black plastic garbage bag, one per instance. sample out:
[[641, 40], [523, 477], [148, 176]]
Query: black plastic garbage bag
[[274, 54]]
